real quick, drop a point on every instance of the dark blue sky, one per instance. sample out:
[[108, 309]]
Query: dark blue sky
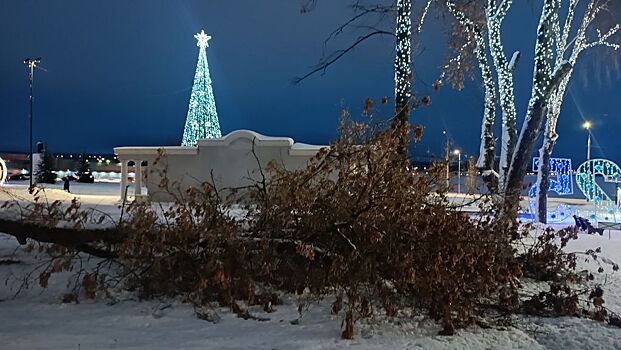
[[119, 72]]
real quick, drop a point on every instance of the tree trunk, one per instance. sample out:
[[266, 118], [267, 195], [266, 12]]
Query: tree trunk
[[81, 240], [487, 148], [544, 83], [487, 151], [543, 178], [521, 157], [403, 70]]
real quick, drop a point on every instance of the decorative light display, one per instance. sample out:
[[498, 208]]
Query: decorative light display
[[585, 179], [3, 172], [202, 120], [424, 16], [562, 185], [568, 49], [403, 70], [562, 168], [495, 13], [488, 144]]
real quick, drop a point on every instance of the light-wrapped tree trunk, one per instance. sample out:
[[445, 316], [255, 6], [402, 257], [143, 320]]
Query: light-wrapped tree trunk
[[545, 81], [403, 56], [487, 149], [575, 48], [495, 12]]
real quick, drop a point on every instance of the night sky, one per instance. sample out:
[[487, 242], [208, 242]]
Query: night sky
[[119, 73]]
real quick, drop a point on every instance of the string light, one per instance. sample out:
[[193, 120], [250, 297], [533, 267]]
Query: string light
[[495, 14], [562, 185], [585, 179], [202, 119], [577, 46], [403, 71], [424, 16], [487, 148]]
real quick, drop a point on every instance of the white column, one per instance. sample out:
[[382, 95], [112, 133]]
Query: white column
[[138, 178], [123, 178]]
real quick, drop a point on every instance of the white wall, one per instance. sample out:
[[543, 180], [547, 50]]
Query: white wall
[[230, 159]]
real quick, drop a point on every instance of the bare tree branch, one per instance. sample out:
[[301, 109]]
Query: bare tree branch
[[322, 66]]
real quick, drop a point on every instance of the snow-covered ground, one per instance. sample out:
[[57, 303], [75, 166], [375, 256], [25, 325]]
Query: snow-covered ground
[[37, 319]]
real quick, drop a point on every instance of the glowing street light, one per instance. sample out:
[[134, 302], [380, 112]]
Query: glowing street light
[[587, 125], [458, 154]]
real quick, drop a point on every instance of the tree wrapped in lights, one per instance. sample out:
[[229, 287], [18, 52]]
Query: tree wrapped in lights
[[202, 120], [403, 70], [515, 154], [475, 36], [545, 81], [495, 12], [586, 35]]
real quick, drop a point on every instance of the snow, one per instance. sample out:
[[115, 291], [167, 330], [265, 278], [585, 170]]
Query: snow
[[37, 319]]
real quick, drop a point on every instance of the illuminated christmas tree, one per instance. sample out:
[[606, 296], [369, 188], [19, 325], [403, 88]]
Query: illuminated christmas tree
[[202, 120]]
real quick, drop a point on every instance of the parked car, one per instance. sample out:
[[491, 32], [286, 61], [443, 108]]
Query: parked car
[[86, 178], [17, 177]]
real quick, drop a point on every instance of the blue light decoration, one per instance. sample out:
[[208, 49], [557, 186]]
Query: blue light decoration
[[562, 185], [606, 208], [202, 120], [3, 172]]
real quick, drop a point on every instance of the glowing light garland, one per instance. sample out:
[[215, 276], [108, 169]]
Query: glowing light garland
[[495, 14], [3, 172], [562, 185], [424, 16], [585, 179], [403, 70], [562, 168], [202, 119], [487, 148], [576, 46]]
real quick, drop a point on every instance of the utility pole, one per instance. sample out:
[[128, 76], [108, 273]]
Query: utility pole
[[447, 147], [458, 154], [31, 63]]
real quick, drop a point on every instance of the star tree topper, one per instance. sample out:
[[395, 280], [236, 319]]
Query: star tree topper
[[202, 39]]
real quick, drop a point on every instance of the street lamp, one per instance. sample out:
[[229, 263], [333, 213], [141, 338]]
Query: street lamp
[[31, 63], [587, 125], [458, 154]]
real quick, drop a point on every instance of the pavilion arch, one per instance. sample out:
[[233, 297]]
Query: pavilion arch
[[126, 165]]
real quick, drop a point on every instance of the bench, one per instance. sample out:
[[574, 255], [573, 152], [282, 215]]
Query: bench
[[607, 225]]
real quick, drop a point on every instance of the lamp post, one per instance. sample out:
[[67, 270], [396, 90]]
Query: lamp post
[[31, 63], [587, 125], [458, 154]]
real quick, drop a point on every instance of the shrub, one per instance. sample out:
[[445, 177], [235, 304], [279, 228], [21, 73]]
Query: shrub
[[367, 223]]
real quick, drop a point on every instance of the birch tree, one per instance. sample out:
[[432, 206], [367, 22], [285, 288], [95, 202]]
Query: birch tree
[[487, 150], [495, 12], [546, 80], [586, 34]]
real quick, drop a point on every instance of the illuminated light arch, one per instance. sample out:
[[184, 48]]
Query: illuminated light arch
[[562, 185], [3, 172], [585, 179]]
